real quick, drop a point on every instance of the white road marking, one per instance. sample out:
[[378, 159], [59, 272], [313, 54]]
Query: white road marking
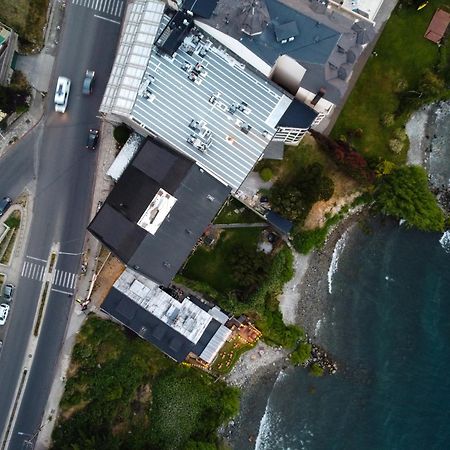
[[61, 292], [68, 253], [25, 265], [74, 279], [37, 259], [105, 18], [33, 269]]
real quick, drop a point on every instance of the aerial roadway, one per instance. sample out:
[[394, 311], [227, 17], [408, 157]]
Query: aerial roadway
[[53, 163]]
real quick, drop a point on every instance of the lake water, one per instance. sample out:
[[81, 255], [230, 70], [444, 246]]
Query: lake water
[[387, 324]]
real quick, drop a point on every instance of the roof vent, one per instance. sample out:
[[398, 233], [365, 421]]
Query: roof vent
[[210, 198], [166, 264], [188, 231]]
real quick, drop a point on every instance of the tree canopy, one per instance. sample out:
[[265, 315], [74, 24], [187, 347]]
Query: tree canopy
[[403, 193], [293, 199]]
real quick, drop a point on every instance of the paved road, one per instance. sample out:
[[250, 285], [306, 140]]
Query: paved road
[[54, 152]]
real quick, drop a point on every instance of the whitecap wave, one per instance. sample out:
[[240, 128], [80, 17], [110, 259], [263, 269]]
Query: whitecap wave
[[340, 244], [445, 241]]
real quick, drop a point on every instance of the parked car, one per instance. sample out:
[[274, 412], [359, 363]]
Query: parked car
[[8, 292], [92, 139], [62, 94], [4, 310], [5, 203], [88, 82]]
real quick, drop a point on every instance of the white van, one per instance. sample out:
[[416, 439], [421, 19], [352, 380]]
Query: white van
[[62, 94]]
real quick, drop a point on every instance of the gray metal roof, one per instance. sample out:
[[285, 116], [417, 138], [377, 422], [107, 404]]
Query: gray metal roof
[[241, 121], [198, 196]]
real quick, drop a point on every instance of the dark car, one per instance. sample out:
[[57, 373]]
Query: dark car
[[92, 139], [88, 82], [5, 203], [8, 292]]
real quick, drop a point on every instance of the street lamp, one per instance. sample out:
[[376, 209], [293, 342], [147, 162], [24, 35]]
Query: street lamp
[[27, 443]]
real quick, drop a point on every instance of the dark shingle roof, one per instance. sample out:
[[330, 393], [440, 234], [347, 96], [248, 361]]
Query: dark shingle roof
[[199, 196]]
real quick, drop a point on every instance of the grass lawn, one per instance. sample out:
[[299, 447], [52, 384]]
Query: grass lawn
[[228, 213], [210, 265], [403, 56], [27, 18], [123, 393]]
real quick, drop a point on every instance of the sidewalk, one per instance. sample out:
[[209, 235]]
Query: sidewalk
[[102, 187], [38, 70]]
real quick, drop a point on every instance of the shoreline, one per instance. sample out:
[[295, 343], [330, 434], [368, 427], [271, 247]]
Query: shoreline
[[302, 303]]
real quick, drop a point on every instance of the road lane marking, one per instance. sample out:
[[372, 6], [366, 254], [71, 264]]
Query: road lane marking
[[61, 292], [69, 253], [25, 265], [33, 269], [105, 18], [37, 259]]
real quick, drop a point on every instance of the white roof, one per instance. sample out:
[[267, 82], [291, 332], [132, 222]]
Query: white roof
[[125, 156], [141, 23], [215, 344], [185, 317]]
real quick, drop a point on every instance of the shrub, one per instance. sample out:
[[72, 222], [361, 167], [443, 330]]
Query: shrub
[[316, 370], [388, 120], [396, 146], [301, 354], [121, 134], [266, 174]]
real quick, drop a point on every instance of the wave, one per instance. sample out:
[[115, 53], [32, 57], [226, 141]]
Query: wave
[[268, 420], [445, 241], [340, 244]]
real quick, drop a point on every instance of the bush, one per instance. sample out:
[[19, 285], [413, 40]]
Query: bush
[[266, 174], [121, 134], [404, 194], [301, 354], [388, 120], [316, 370]]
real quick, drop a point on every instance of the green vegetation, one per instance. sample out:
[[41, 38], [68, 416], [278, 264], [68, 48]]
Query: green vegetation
[[404, 194], [212, 266], [7, 244], [41, 310], [186, 403], [14, 98], [123, 393], [301, 354], [244, 281], [2, 280], [316, 370], [236, 212], [394, 83], [293, 198], [266, 174], [13, 221], [28, 19], [121, 134]]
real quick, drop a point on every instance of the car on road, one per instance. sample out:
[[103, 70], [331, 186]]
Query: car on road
[[8, 292], [5, 203], [88, 82], [62, 94], [92, 139], [4, 310]]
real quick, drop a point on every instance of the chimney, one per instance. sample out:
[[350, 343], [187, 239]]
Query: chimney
[[318, 96]]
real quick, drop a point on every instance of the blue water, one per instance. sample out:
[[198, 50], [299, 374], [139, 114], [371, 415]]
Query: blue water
[[387, 324]]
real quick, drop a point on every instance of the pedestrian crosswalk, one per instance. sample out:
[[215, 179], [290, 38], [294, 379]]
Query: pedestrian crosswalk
[[109, 7], [33, 270], [60, 278], [64, 279]]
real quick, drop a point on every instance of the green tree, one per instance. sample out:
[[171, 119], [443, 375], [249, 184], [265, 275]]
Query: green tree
[[294, 199], [404, 194]]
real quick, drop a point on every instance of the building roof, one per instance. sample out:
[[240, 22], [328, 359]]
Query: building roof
[[316, 34], [157, 211], [141, 22], [126, 154], [298, 115], [438, 26], [176, 328], [219, 113], [202, 8]]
